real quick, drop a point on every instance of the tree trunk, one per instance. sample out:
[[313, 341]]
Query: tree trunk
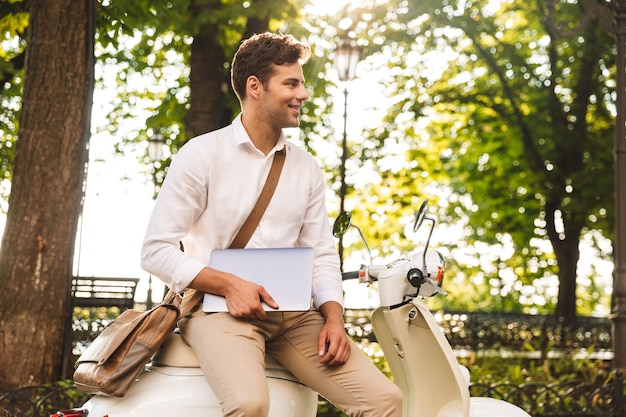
[[46, 191], [567, 254], [208, 79]]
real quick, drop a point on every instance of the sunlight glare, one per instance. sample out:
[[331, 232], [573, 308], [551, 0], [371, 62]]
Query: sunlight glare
[[330, 7]]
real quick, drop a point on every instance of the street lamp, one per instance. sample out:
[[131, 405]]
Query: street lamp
[[347, 57], [155, 153]]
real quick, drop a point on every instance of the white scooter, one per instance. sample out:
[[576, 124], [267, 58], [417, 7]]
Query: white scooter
[[420, 358]]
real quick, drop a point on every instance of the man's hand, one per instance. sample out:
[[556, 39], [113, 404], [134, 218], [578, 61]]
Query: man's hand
[[333, 343], [244, 300]]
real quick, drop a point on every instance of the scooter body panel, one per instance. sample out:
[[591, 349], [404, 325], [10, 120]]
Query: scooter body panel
[[185, 391], [173, 384], [425, 368]]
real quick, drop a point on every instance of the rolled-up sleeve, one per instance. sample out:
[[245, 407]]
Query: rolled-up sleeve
[[181, 201]]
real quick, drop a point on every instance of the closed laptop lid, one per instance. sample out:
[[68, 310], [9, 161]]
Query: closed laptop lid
[[286, 274]]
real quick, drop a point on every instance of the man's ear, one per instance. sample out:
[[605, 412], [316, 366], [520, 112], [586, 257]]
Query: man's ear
[[253, 87]]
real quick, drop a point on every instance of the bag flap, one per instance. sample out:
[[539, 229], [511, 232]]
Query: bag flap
[[112, 336]]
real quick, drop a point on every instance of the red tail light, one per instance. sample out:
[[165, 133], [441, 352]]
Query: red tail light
[[70, 413]]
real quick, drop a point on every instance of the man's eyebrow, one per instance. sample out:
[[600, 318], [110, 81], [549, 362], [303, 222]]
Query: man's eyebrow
[[293, 79]]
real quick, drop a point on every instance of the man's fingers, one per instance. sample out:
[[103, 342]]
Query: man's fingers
[[267, 299]]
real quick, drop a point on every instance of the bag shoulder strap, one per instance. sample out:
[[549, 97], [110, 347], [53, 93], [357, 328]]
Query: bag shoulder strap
[[248, 227]]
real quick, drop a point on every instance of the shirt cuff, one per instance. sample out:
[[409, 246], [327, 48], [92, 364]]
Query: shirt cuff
[[185, 274], [326, 296]]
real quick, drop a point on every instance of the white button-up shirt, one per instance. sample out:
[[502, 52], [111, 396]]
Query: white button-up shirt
[[211, 186]]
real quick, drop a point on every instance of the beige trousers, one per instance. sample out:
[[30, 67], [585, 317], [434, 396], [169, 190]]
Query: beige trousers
[[232, 356]]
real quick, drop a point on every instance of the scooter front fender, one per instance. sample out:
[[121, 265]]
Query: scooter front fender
[[483, 407], [425, 368], [421, 361], [490, 407]]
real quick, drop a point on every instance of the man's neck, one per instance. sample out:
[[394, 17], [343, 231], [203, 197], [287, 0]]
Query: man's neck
[[263, 137]]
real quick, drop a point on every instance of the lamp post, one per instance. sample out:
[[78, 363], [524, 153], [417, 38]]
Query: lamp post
[[155, 153], [347, 57]]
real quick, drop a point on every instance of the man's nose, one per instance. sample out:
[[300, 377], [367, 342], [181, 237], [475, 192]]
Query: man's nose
[[303, 94]]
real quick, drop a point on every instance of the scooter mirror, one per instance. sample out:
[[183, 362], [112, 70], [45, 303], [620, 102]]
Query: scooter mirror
[[342, 223], [419, 217]]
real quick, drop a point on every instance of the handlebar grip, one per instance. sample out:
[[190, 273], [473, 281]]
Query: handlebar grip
[[350, 275]]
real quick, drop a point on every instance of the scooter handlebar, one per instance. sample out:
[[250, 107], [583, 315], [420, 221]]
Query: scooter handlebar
[[350, 275], [366, 274]]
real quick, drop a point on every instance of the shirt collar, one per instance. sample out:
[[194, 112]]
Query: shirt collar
[[241, 136]]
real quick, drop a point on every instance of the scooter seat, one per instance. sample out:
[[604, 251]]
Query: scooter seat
[[175, 352]]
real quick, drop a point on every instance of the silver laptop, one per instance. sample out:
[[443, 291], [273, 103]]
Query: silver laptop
[[286, 274]]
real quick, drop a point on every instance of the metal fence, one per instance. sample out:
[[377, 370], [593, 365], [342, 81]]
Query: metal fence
[[563, 399], [482, 332], [39, 400], [520, 332], [570, 398]]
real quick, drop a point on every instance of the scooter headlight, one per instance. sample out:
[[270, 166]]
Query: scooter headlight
[[435, 271]]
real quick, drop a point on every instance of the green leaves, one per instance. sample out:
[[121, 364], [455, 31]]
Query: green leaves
[[509, 124]]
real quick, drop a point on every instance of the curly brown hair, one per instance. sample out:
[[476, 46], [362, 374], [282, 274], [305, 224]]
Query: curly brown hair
[[258, 54]]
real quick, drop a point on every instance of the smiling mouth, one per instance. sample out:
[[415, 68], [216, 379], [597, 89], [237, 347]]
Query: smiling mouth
[[296, 108]]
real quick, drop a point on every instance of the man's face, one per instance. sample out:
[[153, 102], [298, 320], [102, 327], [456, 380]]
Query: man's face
[[283, 95]]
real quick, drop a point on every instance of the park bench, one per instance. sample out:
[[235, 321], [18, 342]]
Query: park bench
[[104, 292]]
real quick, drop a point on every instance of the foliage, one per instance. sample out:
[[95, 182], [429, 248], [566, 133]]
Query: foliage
[[40, 400], [507, 116], [88, 323], [151, 55], [519, 370], [13, 23]]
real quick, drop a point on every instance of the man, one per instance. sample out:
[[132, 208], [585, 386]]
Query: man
[[210, 189]]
